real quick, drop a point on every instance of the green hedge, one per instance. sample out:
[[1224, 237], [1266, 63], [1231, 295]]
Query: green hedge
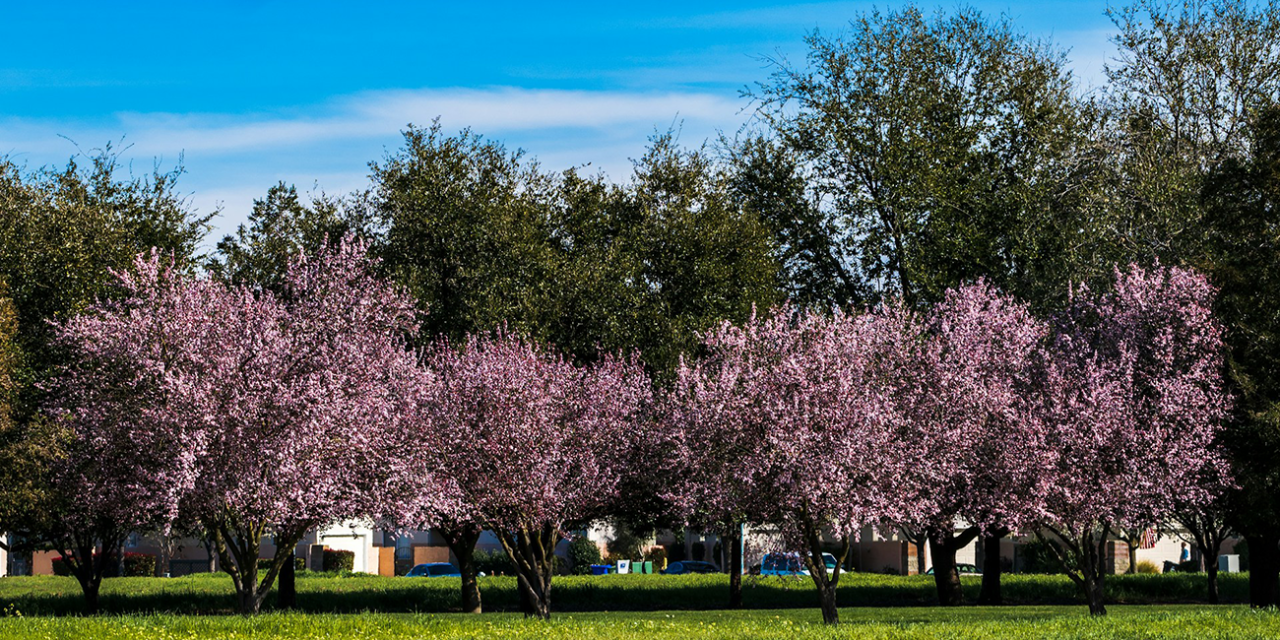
[[139, 565], [136, 565], [352, 593], [339, 560]]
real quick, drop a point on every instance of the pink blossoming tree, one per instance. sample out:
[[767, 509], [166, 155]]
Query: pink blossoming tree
[[806, 414], [984, 447], [1132, 400], [281, 413], [126, 465], [535, 445]]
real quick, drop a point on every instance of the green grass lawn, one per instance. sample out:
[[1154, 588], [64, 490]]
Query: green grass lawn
[[1185, 621], [321, 593]]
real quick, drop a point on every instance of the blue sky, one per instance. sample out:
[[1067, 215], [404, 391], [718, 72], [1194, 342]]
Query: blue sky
[[250, 93]]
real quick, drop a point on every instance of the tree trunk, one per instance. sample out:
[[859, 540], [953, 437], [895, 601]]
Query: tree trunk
[[1264, 570], [209, 552], [532, 551], [827, 596], [825, 583], [89, 568], [991, 569], [1093, 573], [238, 548], [943, 544], [90, 586], [247, 595], [1211, 571], [1096, 595], [1133, 555], [734, 541], [462, 543], [287, 594]]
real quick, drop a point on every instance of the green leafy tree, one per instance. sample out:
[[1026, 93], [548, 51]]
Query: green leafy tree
[[62, 232], [1182, 93], [466, 229], [1242, 255], [1192, 143], [279, 227], [940, 149], [771, 181], [651, 264]]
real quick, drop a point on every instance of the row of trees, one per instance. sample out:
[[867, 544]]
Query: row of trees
[[246, 413], [904, 159]]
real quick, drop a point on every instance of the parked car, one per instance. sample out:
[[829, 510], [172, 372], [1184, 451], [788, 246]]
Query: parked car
[[782, 564], [690, 566], [830, 561], [434, 570], [789, 564], [963, 569]]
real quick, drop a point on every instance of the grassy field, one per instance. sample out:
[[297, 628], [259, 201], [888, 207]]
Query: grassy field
[[319, 593], [1187, 621]]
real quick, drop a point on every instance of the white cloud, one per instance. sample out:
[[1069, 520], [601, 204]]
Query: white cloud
[[233, 158], [374, 115]]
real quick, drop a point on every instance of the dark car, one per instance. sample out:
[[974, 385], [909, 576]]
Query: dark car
[[962, 569], [434, 570], [690, 566]]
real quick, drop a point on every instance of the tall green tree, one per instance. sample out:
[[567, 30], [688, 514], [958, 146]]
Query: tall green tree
[[466, 228], [1192, 147], [484, 237], [1242, 254], [279, 227], [651, 264], [941, 149], [771, 180], [1185, 86], [62, 232]]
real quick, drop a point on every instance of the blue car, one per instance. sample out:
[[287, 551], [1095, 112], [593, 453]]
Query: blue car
[[434, 570], [789, 564], [689, 566]]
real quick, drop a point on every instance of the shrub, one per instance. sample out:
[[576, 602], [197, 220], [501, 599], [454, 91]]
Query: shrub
[[494, 563], [626, 543], [658, 555], [339, 560], [299, 563], [1147, 566], [139, 565], [1038, 557], [582, 554], [60, 567]]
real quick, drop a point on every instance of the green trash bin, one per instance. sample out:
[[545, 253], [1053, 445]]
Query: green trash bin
[[648, 566]]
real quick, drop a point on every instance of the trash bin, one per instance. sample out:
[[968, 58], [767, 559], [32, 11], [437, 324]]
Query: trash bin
[[648, 566], [1229, 563], [600, 569]]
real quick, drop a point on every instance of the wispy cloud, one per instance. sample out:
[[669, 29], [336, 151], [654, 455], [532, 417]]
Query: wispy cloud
[[233, 157], [374, 115]]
